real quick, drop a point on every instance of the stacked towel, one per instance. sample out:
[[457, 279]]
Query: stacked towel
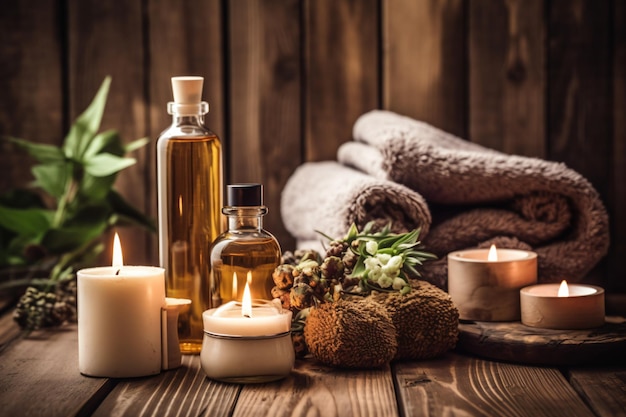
[[478, 195], [329, 197]]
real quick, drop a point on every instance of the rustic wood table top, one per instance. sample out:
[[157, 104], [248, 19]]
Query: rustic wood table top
[[39, 377]]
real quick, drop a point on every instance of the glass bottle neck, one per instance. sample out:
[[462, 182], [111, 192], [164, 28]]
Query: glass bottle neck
[[245, 217], [187, 114], [187, 119]]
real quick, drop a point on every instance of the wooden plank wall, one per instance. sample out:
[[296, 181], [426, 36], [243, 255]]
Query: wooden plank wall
[[286, 80]]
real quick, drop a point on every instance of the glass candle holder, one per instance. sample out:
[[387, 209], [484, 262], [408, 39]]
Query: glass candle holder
[[247, 348]]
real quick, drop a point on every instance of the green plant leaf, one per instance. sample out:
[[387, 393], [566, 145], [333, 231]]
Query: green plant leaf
[[90, 256], [66, 239], [106, 164], [127, 212], [42, 152], [25, 221], [136, 144], [101, 141], [52, 177], [88, 215], [95, 188], [87, 124]]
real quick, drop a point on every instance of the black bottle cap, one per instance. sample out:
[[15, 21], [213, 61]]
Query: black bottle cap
[[244, 195]]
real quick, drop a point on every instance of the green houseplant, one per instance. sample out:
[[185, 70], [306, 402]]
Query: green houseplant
[[53, 227]]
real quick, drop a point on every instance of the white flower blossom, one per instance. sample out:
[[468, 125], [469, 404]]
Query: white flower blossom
[[385, 281], [374, 274], [371, 247], [395, 262], [371, 263], [383, 258], [390, 271], [398, 283]]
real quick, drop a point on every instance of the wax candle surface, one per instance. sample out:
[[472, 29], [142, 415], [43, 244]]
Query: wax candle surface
[[488, 290], [228, 320], [119, 320], [583, 308]]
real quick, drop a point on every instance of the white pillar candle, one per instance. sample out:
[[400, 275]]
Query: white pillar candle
[[488, 290], [581, 308], [119, 321]]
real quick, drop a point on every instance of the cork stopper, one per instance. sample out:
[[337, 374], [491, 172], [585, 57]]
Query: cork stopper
[[187, 91]]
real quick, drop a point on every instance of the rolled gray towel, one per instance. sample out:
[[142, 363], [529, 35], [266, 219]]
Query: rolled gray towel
[[477, 195], [329, 197]]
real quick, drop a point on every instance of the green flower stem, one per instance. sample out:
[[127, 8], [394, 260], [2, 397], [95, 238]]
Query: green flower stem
[[66, 261], [64, 201]]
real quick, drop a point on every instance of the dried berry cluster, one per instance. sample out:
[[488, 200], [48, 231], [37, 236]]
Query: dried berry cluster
[[37, 309], [356, 264], [304, 279], [359, 264]]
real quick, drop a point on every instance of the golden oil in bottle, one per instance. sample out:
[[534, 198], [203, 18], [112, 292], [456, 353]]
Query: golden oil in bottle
[[245, 253], [189, 171]]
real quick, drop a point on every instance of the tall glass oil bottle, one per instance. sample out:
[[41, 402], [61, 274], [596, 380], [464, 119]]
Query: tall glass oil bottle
[[245, 253], [190, 188]]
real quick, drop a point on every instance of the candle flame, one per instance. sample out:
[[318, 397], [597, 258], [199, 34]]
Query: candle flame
[[118, 259], [563, 289], [493, 254], [180, 205], [246, 302], [234, 295]]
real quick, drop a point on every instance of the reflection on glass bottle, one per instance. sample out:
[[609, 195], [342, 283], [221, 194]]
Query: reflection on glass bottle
[[245, 252], [189, 170]]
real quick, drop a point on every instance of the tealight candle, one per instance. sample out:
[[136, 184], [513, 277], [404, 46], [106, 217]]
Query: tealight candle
[[565, 307], [484, 284], [247, 342], [122, 320]]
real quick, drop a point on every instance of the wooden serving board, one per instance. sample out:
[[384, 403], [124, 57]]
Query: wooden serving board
[[515, 342]]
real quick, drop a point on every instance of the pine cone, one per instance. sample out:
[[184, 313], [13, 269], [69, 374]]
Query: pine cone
[[332, 268], [283, 276], [301, 296], [38, 309], [302, 255], [283, 296], [336, 248], [67, 293]]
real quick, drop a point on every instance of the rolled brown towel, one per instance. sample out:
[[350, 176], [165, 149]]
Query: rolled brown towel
[[329, 197], [478, 195]]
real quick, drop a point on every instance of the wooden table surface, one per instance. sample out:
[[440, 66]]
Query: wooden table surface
[[39, 377]]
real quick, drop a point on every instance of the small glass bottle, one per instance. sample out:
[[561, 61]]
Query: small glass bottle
[[190, 188], [245, 253]]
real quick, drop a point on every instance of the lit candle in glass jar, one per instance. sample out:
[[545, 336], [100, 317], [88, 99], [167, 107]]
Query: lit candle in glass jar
[[247, 341]]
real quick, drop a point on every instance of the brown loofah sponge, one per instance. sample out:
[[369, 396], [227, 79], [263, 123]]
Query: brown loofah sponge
[[425, 319], [351, 334]]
